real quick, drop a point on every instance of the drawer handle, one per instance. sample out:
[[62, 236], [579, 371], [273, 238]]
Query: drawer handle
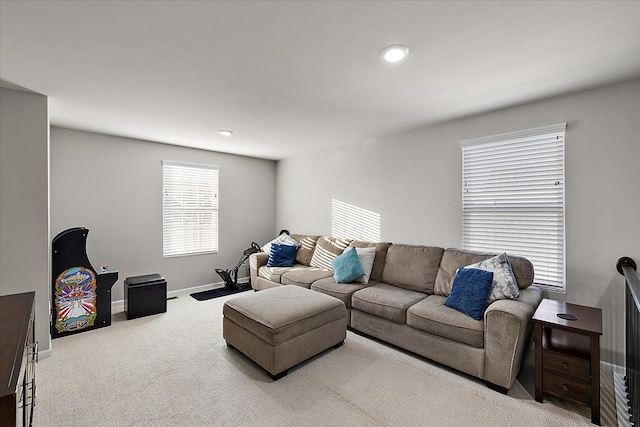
[[565, 387], [564, 365]]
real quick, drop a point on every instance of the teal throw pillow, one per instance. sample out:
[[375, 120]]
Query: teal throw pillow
[[281, 255], [470, 291], [347, 267]]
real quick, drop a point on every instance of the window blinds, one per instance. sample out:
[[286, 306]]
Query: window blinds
[[189, 209], [513, 198]]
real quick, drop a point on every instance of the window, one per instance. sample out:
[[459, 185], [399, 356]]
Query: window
[[351, 222], [513, 198], [189, 209]]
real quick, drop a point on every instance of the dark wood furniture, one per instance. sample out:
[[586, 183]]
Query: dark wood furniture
[[567, 362], [18, 355]]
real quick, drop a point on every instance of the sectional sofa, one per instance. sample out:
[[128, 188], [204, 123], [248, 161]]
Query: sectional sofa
[[404, 303]]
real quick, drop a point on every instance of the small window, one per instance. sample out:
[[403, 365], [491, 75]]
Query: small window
[[513, 198], [189, 209]]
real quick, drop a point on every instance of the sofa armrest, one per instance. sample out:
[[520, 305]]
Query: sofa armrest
[[507, 325], [256, 261]]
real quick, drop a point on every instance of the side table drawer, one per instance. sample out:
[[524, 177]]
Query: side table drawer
[[566, 388], [566, 365]]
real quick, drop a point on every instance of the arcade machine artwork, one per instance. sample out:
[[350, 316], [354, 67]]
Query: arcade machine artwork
[[81, 295]]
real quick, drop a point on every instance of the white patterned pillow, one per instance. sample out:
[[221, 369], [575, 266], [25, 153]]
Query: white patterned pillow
[[283, 239], [366, 257], [505, 285]]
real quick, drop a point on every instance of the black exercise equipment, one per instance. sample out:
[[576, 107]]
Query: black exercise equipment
[[230, 277], [231, 283]]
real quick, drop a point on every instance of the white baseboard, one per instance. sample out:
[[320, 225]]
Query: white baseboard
[[43, 354], [177, 292]]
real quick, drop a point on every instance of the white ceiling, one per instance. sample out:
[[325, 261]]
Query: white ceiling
[[295, 77]]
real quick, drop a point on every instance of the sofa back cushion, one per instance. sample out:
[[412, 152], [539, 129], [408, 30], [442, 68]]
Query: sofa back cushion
[[327, 248], [412, 267], [379, 261], [307, 245], [453, 259]]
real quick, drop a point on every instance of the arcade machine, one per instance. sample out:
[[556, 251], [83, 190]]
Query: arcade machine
[[81, 295]]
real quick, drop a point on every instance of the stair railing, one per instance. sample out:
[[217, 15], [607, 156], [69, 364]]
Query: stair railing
[[627, 267]]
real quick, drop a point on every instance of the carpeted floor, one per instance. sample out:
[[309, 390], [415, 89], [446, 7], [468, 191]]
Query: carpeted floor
[[174, 369]]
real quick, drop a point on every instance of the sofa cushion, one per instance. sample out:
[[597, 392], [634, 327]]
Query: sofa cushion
[[412, 267], [327, 248], [347, 267], [386, 301], [342, 291], [453, 259], [431, 315], [380, 259], [307, 245], [304, 276], [470, 291], [282, 255], [274, 273], [504, 282]]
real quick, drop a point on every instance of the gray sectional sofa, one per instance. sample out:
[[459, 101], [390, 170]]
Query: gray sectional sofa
[[404, 304]]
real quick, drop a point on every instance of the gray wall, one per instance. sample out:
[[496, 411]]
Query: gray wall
[[24, 202], [413, 180], [113, 187]]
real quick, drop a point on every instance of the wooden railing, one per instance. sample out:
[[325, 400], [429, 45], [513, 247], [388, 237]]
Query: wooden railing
[[627, 267]]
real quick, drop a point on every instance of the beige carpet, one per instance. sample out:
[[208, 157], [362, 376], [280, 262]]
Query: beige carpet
[[174, 369]]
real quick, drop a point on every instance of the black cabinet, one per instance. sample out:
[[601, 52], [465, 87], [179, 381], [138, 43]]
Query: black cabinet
[[145, 295]]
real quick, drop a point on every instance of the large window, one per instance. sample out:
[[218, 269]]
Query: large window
[[513, 198], [189, 209]]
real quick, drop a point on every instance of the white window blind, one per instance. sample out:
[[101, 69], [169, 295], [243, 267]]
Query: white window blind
[[189, 209], [513, 198]]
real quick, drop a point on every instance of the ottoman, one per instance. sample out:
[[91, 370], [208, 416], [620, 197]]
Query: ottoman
[[280, 327]]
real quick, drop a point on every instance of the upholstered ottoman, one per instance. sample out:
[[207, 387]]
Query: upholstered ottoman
[[280, 327]]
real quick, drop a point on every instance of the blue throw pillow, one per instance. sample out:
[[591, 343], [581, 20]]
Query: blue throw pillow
[[470, 291], [347, 267], [282, 255]]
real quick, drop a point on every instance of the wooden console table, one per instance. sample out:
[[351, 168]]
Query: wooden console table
[[18, 355], [567, 345]]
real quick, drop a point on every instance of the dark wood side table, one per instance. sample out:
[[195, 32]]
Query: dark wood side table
[[18, 355], [567, 344]]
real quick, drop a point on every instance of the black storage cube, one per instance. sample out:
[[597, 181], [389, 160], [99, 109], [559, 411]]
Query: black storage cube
[[145, 295]]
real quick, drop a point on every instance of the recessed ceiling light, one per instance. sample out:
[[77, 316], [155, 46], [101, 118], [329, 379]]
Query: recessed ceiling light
[[224, 132], [394, 53]]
